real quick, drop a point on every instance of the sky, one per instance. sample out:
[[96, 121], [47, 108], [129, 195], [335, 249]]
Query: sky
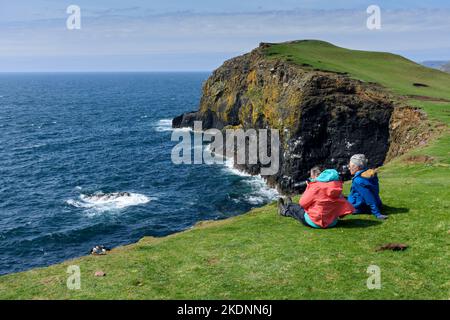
[[198, 35]]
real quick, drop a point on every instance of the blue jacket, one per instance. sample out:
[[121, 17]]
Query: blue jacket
[[364, 193]]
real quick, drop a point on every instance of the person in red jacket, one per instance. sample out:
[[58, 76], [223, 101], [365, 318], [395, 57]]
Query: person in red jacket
[[322, 203]]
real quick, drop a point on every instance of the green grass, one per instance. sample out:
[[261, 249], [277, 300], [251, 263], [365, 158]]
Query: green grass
[[262, 255], [390, 70]]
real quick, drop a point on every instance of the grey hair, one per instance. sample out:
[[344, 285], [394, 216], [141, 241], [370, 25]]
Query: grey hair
[[359, 160]]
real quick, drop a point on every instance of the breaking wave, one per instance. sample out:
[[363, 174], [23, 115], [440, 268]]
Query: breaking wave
[[102, 202], [164, 125], [260, 192]]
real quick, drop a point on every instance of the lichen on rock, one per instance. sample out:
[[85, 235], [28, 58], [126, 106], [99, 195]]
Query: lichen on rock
[[323, 117]]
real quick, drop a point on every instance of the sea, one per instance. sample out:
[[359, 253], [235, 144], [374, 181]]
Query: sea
[[85, 160]]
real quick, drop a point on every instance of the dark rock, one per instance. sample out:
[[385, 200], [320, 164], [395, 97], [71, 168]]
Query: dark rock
[[323, 117], [185, 120]]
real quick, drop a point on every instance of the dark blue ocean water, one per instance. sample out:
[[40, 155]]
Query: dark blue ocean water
[[70, 142]]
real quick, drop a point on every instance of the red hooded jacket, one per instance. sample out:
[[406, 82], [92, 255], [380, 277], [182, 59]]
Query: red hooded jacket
[[324, 202]]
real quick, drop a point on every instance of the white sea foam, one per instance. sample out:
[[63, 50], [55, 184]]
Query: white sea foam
[[260, 193], [166, 125], [101, 202], [229, 166]]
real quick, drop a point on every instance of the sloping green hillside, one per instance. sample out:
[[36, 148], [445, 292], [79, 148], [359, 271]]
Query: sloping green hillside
[[262, 255], [390, 70]]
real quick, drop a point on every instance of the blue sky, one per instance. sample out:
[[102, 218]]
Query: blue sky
[[136, 35]]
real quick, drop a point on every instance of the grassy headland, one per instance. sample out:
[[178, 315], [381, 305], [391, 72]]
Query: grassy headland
[[261, 255]]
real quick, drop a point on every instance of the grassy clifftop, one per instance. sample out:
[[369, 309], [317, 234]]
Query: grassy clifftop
[[392, 71], [262, 255]]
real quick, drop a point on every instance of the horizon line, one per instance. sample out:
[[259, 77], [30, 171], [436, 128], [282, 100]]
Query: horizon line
[[110, 71]]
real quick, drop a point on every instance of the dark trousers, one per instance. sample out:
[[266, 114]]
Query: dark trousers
[[295, 211]]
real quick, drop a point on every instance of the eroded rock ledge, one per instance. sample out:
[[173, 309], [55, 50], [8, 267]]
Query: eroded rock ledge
[[323, 117]]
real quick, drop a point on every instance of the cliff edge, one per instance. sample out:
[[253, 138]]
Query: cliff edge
[[323, 116]]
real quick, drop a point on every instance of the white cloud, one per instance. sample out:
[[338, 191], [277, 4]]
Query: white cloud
[[186, 32]]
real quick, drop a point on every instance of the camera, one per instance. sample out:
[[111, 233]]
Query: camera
[[301, 184], [344, 175]]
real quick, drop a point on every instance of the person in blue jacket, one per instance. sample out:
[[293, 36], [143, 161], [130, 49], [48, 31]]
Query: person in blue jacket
[[364, 193]]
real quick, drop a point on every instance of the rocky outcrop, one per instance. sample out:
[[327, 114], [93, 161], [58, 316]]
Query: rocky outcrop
[[408, 129], [323, 117]]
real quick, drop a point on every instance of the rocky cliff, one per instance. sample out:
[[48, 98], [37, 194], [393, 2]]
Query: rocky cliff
[[323, 117]]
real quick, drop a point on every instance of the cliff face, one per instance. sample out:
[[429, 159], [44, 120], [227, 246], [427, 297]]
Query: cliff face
[[323, 117]]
